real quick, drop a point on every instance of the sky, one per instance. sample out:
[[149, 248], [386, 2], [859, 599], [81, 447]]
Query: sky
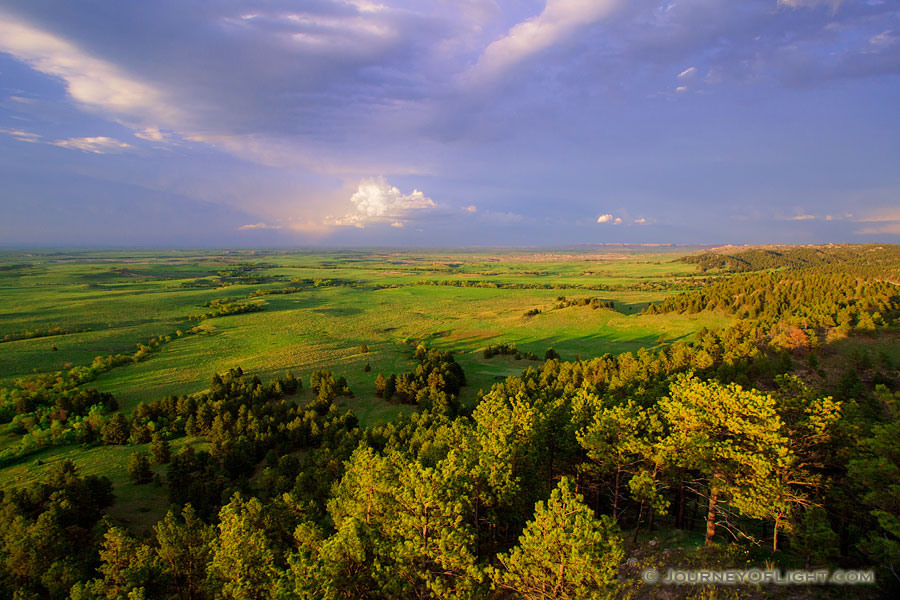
[[448, 122]]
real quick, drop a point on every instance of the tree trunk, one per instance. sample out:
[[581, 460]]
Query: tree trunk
[[638, 526], [711, 515], [775, 537], [616, 496], [681, 502]]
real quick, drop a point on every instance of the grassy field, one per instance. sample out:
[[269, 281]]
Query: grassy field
[[120, 299], [108, 302]]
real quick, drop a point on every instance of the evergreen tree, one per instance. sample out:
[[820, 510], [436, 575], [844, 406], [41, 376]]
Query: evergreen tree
[[115, 431], [184, 549], [243, 562], [564, 552], [138, 468], [730, 435], [160, 450]]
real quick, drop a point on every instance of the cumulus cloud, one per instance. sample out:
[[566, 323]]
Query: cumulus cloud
[[376, 200], [96, 145], [606, 218], [640, 221]]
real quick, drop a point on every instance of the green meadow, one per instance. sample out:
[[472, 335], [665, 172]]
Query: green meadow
[[102, 303], [111, 301]]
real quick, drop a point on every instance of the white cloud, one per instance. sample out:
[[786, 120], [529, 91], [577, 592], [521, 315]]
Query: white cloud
[[640, 221], [377, 201], [688, 73], [681, 89], [97, 145], [22, 136], [471, 208], [803, 218], [557, 21], [810, 3], [152, 134], [884, 39], [607, 218], [92, 82], [617, 221], [258, 226]]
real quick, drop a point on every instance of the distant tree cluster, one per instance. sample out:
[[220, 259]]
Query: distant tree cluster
[[861, 258], [640, 286], [434, 385], [224, 308], [505, 349], [783, 302], [50, 409], [38, 333], [562, 302]]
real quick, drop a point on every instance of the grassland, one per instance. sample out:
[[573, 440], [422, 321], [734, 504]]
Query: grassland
[[121, 299], [341, 300]]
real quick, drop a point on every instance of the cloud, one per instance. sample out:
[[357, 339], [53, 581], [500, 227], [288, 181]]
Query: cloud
[[152, 134], [503, 217], [97, 145], [258, 226], [640, 221], [557, 21], [607, 218], [375, 201], [283, 81], [802, 218], [688, 73], [877, 215], [834, 4], [94, 83], [471, 208], [22, 136], [889, 228]]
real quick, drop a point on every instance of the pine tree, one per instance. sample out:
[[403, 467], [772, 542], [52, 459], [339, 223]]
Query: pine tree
[[243, 563], [115, 431], [564, 552], [160, 450], [184, 551], [138, 468], [732, 436]]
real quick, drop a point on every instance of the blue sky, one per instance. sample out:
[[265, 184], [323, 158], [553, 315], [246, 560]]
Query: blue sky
[[442, 122]]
